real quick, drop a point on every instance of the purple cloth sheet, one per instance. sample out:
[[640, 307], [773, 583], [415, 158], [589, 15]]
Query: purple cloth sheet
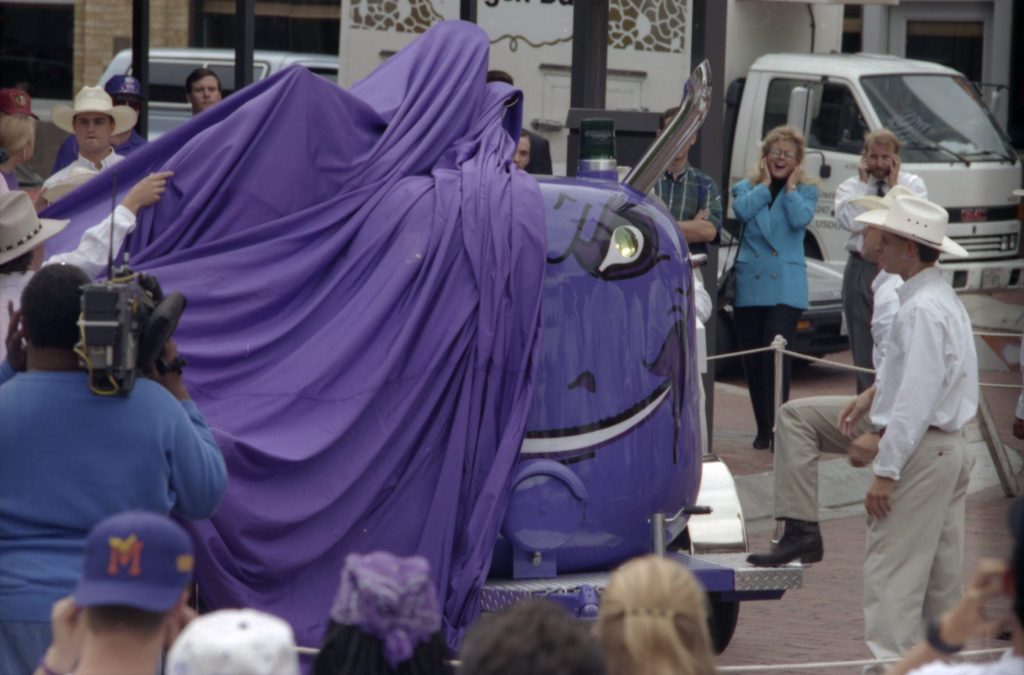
[[364, 271]]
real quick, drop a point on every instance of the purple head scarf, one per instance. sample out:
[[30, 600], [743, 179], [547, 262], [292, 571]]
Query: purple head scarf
[[390, 598]]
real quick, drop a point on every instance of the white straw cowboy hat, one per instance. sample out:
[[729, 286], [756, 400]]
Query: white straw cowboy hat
[[21, 230], [78, 177], [918, 220], [94, 99], [871, 202]]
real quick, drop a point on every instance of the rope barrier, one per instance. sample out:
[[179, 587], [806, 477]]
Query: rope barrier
[[764, 668], [834, 364], [835, 664]]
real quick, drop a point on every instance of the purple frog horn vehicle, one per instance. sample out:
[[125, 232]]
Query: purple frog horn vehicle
[[612, 448], [613, 434]]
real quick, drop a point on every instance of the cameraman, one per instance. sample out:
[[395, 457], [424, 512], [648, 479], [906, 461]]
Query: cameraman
[[70, 458]]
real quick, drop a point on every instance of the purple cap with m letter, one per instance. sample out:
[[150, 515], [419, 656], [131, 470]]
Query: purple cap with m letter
[[138, 559]]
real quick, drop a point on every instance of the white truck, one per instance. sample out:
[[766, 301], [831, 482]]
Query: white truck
[[949, 139]]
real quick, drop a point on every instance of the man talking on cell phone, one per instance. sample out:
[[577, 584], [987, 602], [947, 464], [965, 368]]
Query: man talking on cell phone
[[877, 172]]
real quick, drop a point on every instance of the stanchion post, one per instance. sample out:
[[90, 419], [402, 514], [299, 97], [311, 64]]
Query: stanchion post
[[990, 433], [778, 344], [658, 533]]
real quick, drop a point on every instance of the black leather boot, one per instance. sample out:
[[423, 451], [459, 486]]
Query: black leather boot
[[802, 539]]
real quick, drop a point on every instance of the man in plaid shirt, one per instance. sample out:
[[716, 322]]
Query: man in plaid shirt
[[691, 197]]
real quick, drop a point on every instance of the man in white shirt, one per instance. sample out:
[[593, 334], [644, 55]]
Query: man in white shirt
[[93, 120], [926, 390], [877, 173]]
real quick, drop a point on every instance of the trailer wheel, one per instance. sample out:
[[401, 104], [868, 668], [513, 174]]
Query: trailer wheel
[[722, 621]]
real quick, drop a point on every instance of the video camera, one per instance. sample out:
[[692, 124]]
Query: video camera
[[125, 323]]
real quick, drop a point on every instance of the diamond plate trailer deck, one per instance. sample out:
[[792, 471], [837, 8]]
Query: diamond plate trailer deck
[[727, 574]]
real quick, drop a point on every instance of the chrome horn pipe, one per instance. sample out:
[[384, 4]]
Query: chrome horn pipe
[[692, 111]]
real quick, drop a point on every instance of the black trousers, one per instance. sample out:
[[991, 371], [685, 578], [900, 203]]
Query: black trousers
[[757, 327]]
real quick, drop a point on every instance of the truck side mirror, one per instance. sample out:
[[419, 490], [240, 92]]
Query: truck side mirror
[[825, 171], [799, 98]]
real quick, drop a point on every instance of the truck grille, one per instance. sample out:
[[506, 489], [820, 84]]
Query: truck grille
[[995, 243]]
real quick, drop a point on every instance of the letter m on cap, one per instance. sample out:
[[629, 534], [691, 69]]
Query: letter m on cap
[[125, 553]]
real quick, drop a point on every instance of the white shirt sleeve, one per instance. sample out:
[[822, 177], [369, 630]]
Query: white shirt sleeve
[[92, 252], [848, 190], [701, 299], [887, 303]]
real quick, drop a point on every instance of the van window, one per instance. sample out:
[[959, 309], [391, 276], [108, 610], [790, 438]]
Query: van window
[[167, 78], [776, 108], [938, 118], [329, 74], [836, 121]]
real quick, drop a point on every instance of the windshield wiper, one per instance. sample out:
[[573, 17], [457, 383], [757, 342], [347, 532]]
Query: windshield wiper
[[933, 146], [994, 154]]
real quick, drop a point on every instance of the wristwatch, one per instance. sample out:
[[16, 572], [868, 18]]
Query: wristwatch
[[935, 640]]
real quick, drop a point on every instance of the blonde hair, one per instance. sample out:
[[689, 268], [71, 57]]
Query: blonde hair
[[787, 134], [16, 131], [653, 621], [882, 137]]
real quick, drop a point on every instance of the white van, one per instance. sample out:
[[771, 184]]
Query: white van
[[168, 69]]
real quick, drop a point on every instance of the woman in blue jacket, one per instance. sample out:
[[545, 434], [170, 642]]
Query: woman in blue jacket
[[775, 203]]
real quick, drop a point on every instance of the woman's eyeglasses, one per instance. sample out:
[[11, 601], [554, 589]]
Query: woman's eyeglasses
[[777, 153]]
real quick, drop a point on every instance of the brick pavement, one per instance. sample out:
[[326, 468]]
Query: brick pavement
[[824, 621]]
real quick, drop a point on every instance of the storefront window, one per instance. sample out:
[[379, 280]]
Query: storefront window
[[36, 49], [957, 44], [309, 26]]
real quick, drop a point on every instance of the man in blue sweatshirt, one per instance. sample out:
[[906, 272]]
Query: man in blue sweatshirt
[[69, 458]]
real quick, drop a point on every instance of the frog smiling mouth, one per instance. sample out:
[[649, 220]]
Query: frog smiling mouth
[[572, 439], [668, 364]]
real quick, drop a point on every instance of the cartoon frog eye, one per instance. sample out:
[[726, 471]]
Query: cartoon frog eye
[[627, 243]]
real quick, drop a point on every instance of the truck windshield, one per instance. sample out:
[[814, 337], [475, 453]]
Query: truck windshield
[[938, 118]]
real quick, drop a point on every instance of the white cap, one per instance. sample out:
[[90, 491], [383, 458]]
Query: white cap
[[234, 642]]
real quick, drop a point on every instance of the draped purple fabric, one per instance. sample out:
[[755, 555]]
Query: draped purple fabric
[[364, 273]]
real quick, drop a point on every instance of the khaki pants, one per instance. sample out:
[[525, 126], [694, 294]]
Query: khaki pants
[[805, 428], [913, 558]]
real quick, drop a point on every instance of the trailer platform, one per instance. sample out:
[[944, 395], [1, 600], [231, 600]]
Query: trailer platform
[[728, 575]]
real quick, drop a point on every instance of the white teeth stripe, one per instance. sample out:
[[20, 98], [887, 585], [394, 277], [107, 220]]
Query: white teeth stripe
[[532, 446]]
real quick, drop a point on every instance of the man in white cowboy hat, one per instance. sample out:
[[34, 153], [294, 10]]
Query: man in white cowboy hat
[[93, 120], [908, 427], [878, 173], [23, 235], [925, 392]]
